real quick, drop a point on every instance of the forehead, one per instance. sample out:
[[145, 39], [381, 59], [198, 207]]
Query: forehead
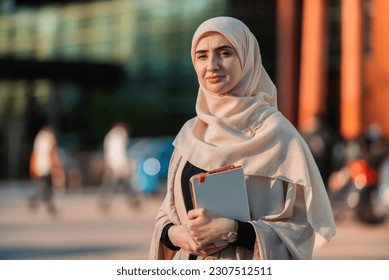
[[212, 38]]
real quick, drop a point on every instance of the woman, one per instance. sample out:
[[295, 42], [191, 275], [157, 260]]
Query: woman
[[118, 167], [46, 169], [238, 123]]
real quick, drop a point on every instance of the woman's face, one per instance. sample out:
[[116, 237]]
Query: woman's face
[[217, 64]]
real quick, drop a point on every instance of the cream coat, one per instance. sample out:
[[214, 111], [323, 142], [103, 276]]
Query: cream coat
[[271, 201], [288, 202]]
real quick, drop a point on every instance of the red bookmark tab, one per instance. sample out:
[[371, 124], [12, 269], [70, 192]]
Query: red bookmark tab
[[202, 178]]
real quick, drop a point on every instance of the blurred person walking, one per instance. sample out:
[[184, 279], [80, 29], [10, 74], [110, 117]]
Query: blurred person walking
[[118, 168], [46, 169], [321, 139]]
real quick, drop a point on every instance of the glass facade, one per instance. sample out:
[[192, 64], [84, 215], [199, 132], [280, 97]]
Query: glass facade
[[149, 39], [56, 65], [106, 31], [83, 65]]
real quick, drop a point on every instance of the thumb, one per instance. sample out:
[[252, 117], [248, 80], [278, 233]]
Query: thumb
[[194, 213]]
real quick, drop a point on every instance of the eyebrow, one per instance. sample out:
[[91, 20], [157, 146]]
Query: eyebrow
[[217, 49]]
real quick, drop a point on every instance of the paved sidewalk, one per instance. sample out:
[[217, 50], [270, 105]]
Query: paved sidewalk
[[82, 231]]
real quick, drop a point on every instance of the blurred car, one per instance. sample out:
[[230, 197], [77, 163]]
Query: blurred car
[[361, 185], [151, 158]]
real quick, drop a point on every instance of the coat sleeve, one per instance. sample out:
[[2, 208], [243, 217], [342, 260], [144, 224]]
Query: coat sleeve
[[158, 251], [166, 214], [280, 222]]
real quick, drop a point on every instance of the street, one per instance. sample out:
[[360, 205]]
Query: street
[[82, 231]]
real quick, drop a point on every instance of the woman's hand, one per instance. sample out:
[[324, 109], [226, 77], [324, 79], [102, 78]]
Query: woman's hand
[[181, 237], [207, 227]]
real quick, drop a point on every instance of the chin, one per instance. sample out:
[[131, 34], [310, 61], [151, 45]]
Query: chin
[[217, 90]]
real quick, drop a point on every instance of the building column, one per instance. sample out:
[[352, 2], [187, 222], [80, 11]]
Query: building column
[[287, 40], [351, 69], [313, 61], [377, 67]]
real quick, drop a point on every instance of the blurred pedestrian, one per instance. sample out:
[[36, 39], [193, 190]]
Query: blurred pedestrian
[[377, 147], [238, 123], [118, 168], [46, 169], [321, 139]]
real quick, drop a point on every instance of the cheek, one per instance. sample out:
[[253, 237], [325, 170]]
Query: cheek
[[235, 72], [199, 70]]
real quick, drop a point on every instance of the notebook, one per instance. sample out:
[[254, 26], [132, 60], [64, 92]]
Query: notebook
[[222, 191]]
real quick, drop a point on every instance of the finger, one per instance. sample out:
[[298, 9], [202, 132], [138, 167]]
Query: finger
[[208, 242], [200, 235], [191, 224], [194, 213], [195, 248], [203, 249], [191, 215]]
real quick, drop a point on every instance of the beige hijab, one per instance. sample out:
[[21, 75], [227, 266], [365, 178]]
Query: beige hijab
[[244, 127]]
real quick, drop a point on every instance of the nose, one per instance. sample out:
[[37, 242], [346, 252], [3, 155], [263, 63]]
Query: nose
[[213, 63]]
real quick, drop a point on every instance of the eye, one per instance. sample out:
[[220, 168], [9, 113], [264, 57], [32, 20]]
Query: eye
[[201, 56], [225, 53]]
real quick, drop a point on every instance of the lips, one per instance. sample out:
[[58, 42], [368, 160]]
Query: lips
[[215, 79]]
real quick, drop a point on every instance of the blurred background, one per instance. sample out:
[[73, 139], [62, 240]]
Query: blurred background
[[83, 66]]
